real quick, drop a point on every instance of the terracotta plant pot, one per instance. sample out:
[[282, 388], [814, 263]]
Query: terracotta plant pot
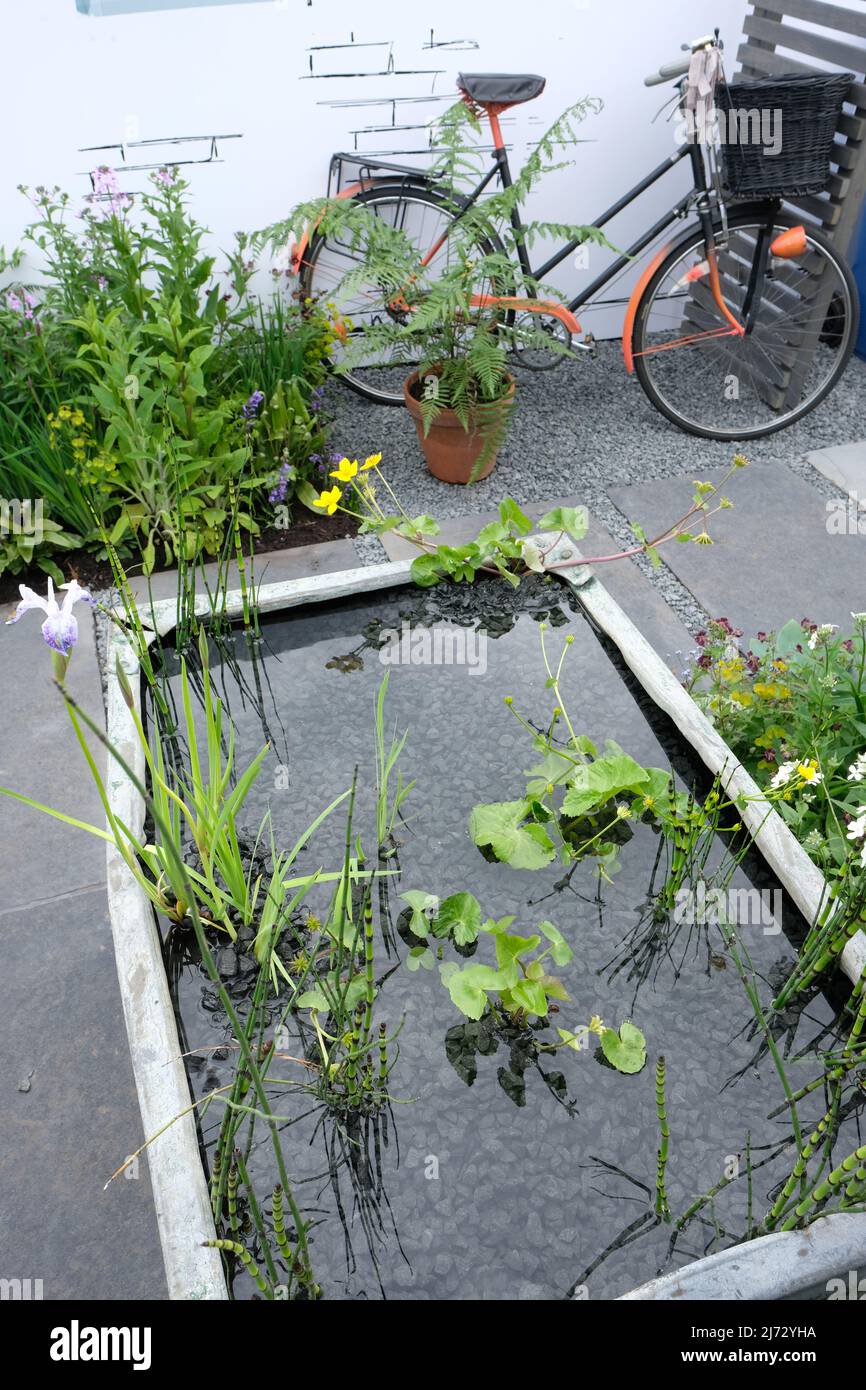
[[451, 451]]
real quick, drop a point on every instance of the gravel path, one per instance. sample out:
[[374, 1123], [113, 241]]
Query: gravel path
[[584, 429]]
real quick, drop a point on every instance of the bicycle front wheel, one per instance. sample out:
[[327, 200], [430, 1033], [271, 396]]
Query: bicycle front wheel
[[801, 317], [424, 217]]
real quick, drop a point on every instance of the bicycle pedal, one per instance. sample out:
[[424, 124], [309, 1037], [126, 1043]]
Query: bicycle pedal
[[588, 344]]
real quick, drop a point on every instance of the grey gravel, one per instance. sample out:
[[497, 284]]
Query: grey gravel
[[370, 550]]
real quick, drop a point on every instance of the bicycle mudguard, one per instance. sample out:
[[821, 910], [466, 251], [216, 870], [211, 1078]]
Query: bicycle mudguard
[[750, 209], [529, 306], [299, 250], [636, 296]]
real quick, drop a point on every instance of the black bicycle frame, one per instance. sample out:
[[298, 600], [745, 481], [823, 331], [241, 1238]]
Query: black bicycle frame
[[698, 195]]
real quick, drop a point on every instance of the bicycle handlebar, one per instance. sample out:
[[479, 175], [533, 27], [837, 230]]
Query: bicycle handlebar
[[669, 70]]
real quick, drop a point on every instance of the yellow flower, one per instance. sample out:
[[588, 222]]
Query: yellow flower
[[769, 736], [741, 697], [328, 500], [345, 471], [730, 670], [64, 412], [809, 770], [372, 462], [77, 418], [596, 1025]]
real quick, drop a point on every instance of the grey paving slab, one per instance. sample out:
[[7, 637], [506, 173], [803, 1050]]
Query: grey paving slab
[[40, 757], [778, 553], [844, 465], [297, 562], [68, 1111], [640, 599], [61, 1026]]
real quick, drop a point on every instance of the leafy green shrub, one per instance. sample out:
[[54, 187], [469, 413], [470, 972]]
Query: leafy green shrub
[[131, 328]]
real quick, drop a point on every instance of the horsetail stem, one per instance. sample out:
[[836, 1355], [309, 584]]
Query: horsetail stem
[[860, 1017], [828, 942], [256, 1214], [383, 1055], [352, 1063], [699, 1202], [662, 1208], [856, 1189], [280, 1231], [833, 1181], [215, 1184], [799, 1168], [835, 1074], [233, 1200], [234, 1247], [368, 966]]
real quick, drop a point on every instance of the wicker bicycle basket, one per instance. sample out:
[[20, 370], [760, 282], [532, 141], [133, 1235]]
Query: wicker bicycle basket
[[795, 115]]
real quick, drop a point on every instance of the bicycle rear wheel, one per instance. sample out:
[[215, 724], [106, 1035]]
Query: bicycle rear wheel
[[802, 327], [424, 215]]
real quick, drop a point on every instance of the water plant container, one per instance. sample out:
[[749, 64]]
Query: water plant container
[[452, 452], [329, 611]]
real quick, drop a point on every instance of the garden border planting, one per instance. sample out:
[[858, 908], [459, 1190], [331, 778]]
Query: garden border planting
[[179, 1185]]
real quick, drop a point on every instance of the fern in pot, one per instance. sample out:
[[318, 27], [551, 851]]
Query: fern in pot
[[460, 321]]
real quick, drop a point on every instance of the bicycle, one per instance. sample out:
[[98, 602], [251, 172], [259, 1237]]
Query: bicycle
[[737, 327]]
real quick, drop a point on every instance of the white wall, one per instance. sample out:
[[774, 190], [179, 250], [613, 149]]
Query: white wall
[[72, 80]]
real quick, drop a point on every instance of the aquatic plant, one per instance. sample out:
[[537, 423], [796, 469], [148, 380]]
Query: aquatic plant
[[662, 1208], [510, 547]]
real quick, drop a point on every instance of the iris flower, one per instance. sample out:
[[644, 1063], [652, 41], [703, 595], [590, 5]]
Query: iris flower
[[60, 628]]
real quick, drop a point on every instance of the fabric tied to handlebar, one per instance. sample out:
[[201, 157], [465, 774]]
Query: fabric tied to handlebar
[[705, 69]]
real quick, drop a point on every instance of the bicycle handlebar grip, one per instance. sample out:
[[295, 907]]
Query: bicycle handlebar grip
[[669, 70]]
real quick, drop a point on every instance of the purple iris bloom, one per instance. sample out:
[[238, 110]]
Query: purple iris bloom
[[60, 628]]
